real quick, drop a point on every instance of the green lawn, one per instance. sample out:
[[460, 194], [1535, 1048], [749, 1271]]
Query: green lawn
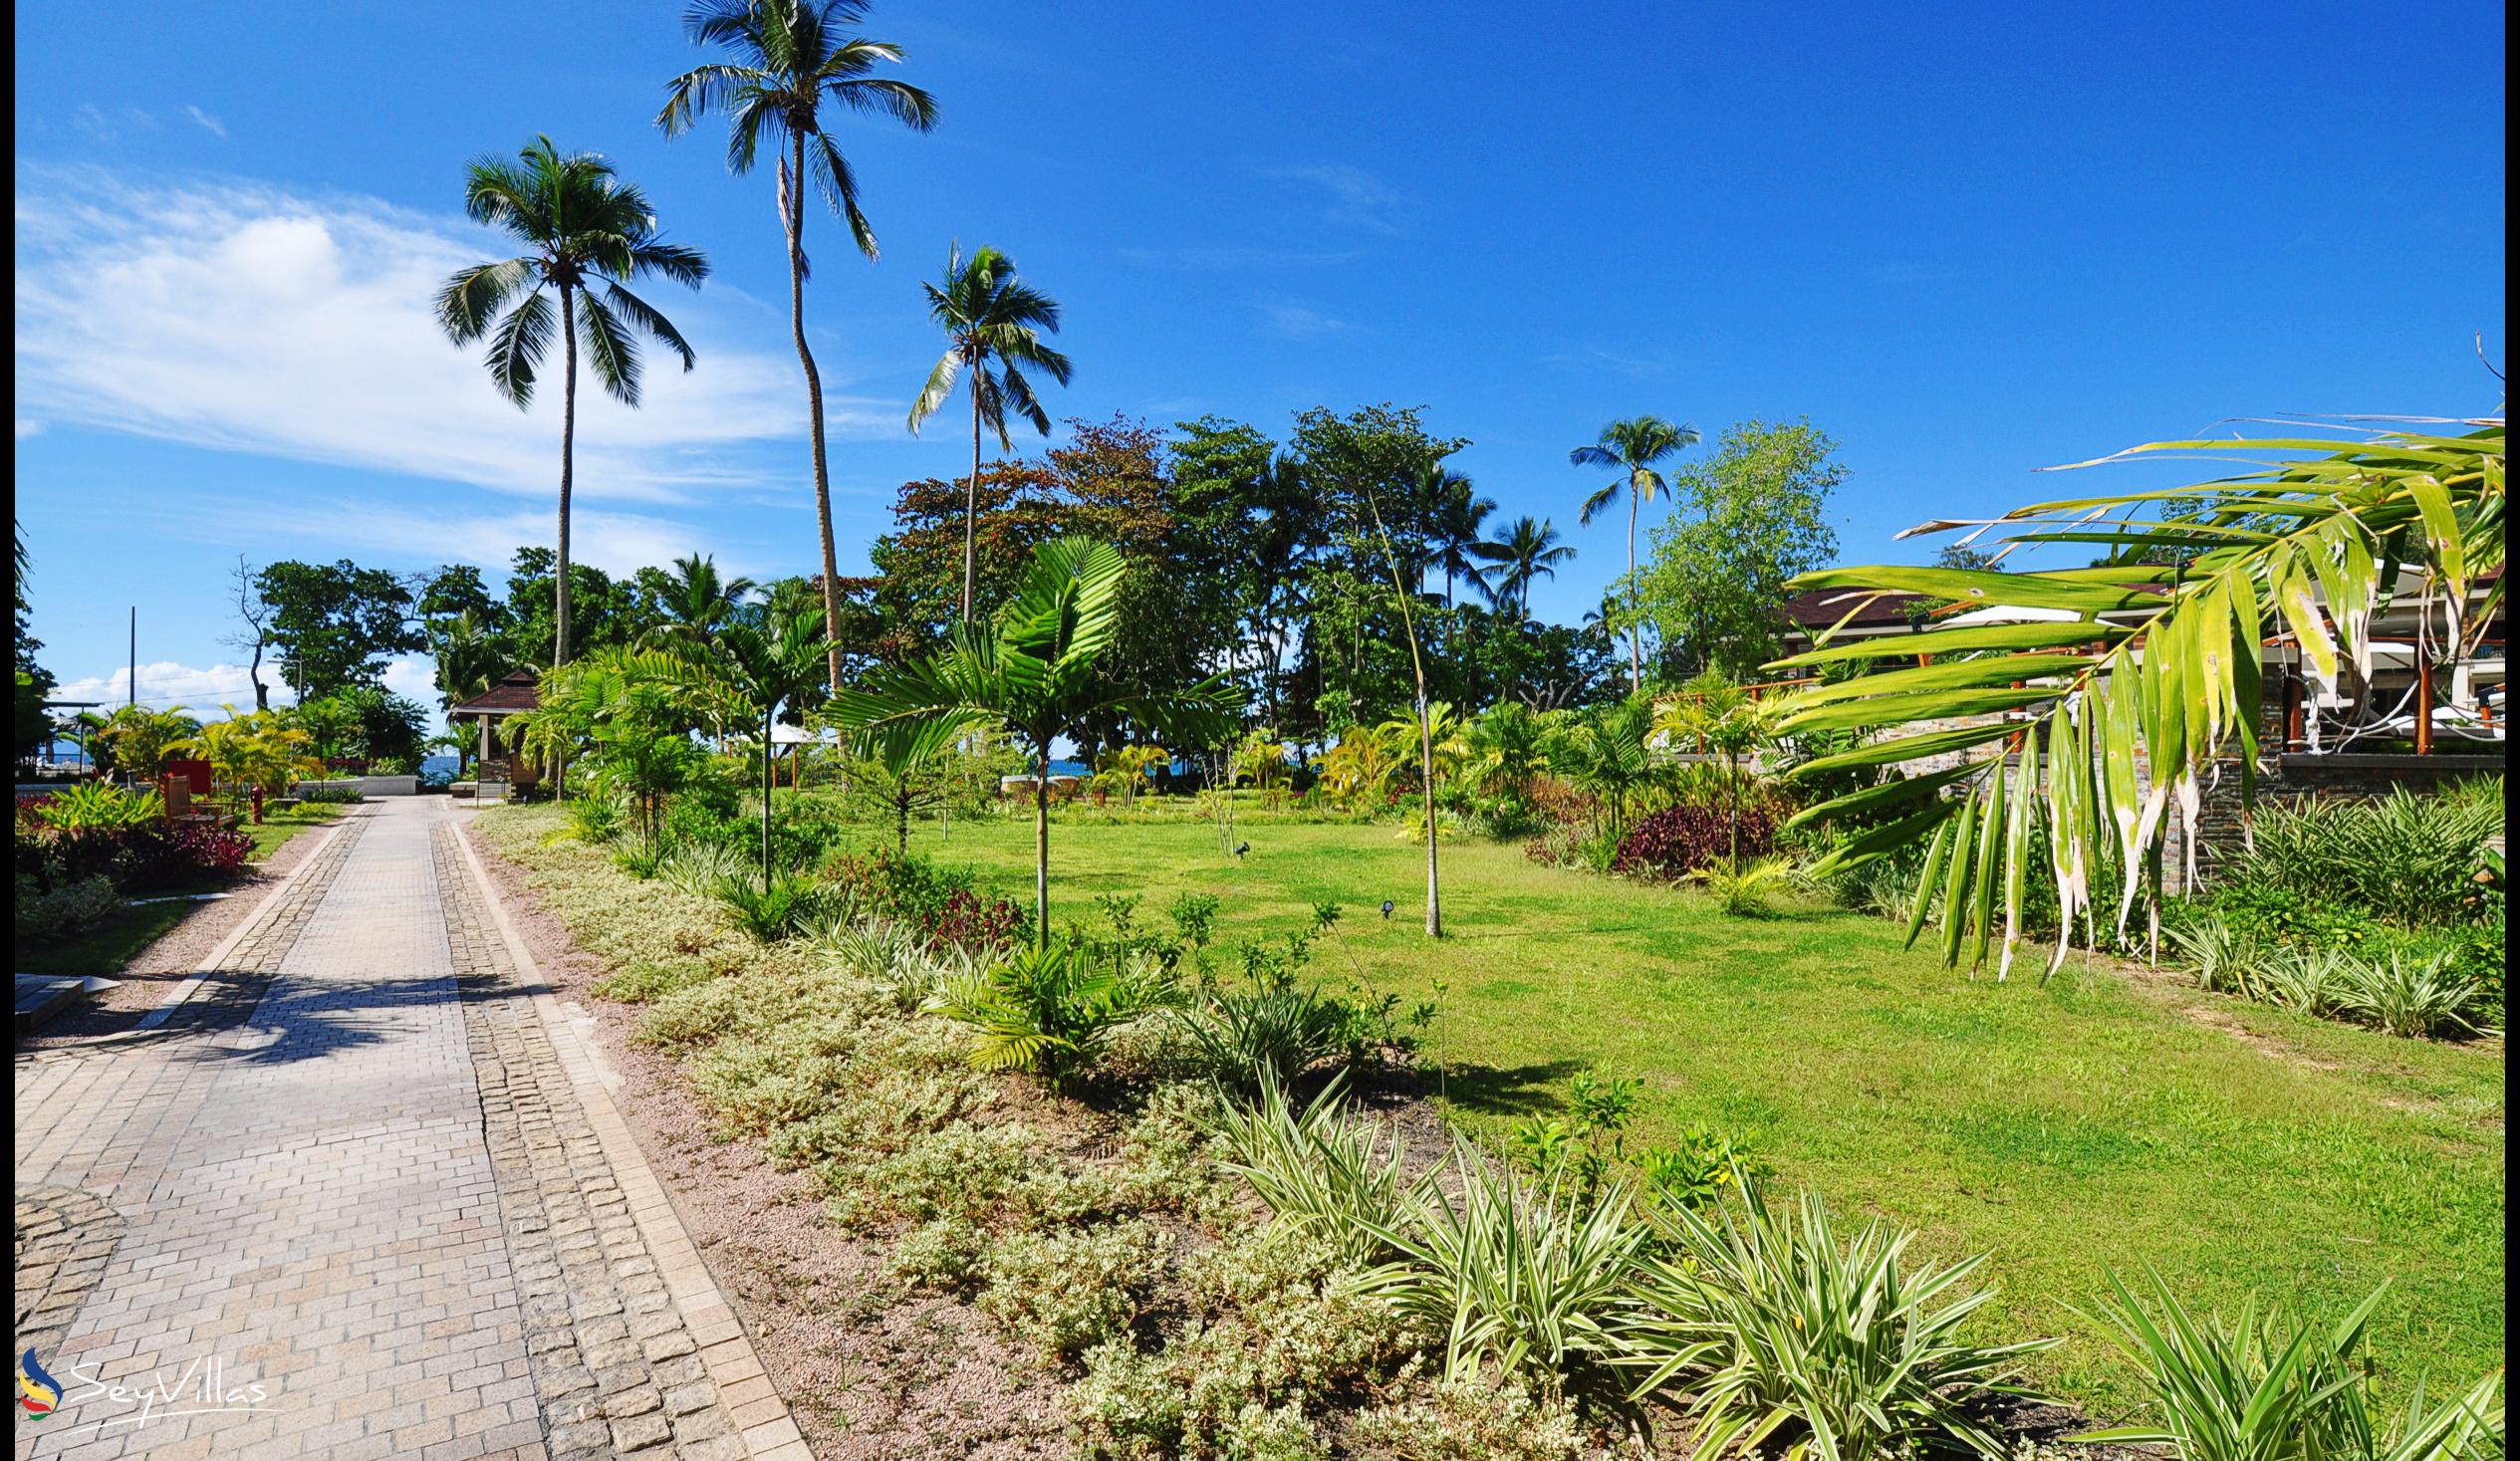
[[2068, 1129], [107, 947]]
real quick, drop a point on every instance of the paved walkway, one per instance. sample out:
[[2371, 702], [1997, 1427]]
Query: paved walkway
[[363, 1195]]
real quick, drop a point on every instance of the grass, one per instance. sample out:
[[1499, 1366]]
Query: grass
[[110, 946], [2091, 1124]]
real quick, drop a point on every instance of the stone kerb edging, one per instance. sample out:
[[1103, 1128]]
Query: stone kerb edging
[[726, 1352]]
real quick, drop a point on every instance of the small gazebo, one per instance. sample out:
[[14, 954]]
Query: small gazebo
[[518, 693]]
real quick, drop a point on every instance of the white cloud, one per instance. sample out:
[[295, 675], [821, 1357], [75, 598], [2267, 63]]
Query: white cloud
[[207, 123], [1355, 197], [1298, 322], [200, 691], [28, 427], [165, 683], [239, 317]]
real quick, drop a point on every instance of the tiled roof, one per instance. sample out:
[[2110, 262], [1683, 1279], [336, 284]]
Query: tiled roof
[[518, 691]]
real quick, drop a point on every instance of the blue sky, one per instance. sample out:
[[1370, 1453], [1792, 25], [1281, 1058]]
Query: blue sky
[[1966, 241]]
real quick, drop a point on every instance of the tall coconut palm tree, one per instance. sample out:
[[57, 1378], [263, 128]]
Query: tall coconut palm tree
[[1631, 447], [587, 233], [1037, 671], [1458, 515], [791, 58], [993, 326], [699, 600], [1529, 551]]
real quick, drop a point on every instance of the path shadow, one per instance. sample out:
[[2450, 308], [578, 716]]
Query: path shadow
[[294, 1022]]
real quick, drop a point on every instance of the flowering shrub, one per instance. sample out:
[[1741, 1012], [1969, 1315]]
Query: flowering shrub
[[942, 904], [138, 859], [1679, 840]]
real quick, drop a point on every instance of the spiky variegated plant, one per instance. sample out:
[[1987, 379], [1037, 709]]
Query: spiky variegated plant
[[993, 326], [1037, 670], [791, 58], [586, 234], [2103, 721]]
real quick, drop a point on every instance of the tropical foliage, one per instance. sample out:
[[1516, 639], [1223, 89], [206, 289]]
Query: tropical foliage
[[2064, 747]]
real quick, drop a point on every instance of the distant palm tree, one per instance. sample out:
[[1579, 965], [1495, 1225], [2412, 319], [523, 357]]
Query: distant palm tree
[[991, 320], [1631, 447], [791, 58], [1529, 551], [1458, 515], [698, 602], [1035, 670], [582, 228]]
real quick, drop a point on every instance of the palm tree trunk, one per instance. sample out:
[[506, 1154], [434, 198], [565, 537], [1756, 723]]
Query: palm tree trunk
[[971, 501], [568, 466], [769, 717], [1635, 632], [795, 221], [1041, 850], [1426, 773]]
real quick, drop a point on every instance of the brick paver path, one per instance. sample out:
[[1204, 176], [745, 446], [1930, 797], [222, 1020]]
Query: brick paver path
[[364, 1195]]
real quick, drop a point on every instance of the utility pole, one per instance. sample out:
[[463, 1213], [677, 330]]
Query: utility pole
[[133, 684]]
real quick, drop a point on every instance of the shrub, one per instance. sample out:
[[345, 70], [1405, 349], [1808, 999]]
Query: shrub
[[2408, 859], [2319, 982], [774, 911], [2417, 997], [595, 818], [1767, 1321], [1701, 1167], [67, 908], [1742, 887], [960, 1171], [1265, 1036], [321, 794], [1046, 1008], [943, 904], [1470, 1420], [1270, 1329], [148, 857], [1679, 840], [1324, 1172], [1530, 1278], [949, 1253], [2267, 1386], [99, 806], [1065, 1293]]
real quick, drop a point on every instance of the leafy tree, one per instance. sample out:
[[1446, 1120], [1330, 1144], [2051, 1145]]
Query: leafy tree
[[336, 624], [2083, 738], [469, 658], [1529, 551], [993, 325], [604, 610], [587, 234], [790, 58], [364, 722], [1631, 447], [31, 726], [1753, 515], [1037, 671], [1247, 525]]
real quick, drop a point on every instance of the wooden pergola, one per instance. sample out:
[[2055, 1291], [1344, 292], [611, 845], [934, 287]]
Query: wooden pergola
[[519, 692]]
